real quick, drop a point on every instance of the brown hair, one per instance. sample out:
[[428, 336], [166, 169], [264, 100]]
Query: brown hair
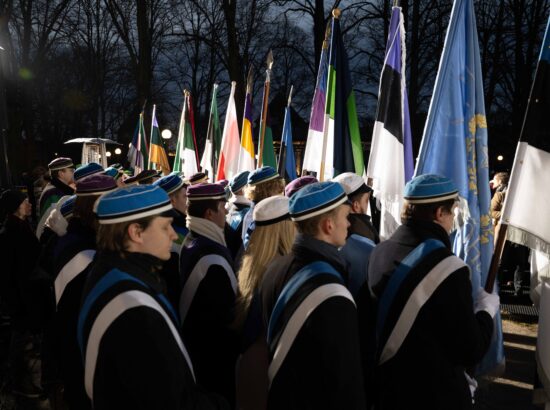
[[84, 210], [424, 212], [503, 176], [310, 226], [114, 237], [199, 208], [264, 190]]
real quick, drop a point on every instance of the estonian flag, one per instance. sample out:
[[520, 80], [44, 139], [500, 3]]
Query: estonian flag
[[528, 191], [391, 161]]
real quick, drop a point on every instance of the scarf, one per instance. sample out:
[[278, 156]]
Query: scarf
[[206, 228]]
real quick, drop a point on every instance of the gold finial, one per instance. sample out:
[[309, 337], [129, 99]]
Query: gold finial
[[336, 13]]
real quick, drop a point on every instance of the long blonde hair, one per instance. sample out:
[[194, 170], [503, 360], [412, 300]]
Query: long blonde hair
[[266, 242]]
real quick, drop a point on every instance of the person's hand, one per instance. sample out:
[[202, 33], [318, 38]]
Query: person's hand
[[488, 302]]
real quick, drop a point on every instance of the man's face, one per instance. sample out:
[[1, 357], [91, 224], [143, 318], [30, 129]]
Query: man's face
[[179, 200], [66, 175], [340, 225], [157, 238], [218, 217]]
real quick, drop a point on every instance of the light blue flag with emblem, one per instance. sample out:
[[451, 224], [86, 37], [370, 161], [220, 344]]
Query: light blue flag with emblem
[[454, 144]]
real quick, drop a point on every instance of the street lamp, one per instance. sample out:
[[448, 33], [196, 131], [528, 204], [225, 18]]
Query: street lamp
[[166, 134], [108, 154], [500, 158], [118, 151]]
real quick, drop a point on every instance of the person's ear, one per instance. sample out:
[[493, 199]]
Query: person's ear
[[355, 207], [440, 212], [135, 233], [326, 225]]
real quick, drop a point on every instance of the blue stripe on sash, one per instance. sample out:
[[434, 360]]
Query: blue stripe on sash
[[399, 275], [109, 280], [303, 275]]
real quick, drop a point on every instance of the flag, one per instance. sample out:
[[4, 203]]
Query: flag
[[287, 163], [527, 225], [138, 153], [268, 152], [454, 144], [314, 143], [246, 151], [391, 162], [343, 127], [186, 159], [213, 138], [229, 152], [157, 154]]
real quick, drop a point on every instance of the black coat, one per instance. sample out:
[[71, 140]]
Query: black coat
[[207, 329], [428, 370], [139, 364], [19, 252], [322, 369]]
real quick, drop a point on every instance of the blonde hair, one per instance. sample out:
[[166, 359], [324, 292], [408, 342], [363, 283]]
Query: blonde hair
[[266, 242], [264, 190]]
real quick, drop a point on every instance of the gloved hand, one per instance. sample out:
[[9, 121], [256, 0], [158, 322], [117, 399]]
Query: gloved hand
[[488, 302], [472, 384]]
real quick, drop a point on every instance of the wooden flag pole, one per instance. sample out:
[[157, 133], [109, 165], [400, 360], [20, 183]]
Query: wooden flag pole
[[495, 260], [264, 106]]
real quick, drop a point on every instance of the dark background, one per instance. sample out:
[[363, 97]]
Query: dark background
[[85, 68]]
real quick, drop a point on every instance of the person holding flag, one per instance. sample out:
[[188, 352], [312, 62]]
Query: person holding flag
[[428, 327]]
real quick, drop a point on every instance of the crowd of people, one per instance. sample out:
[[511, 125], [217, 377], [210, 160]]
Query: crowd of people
[[155, 292]]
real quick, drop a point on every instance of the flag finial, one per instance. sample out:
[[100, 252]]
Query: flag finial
[[336, 13]]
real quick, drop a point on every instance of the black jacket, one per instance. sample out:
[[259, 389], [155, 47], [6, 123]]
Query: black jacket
[[139, 363], [322, 369], [428, 370], [207, 328], [361, 224]]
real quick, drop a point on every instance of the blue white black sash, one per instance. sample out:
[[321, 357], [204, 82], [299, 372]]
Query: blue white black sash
[[71, 270], [111, 311], [197, 275], [395, 336], [281, 341]]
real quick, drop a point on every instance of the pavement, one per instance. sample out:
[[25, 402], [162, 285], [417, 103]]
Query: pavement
[[513, 388]]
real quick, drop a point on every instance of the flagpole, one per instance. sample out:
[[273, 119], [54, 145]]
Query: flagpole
[[192, 122], [265, 106], [321, 178], [151, 137]]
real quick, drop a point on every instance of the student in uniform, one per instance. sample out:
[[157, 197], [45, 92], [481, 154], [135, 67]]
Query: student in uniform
[[239, 205], [61, 174], [310, 316], [262, 183], [429, 329], [273, 237], [207, 300], [176, 188], [134, 357], [72, 257]]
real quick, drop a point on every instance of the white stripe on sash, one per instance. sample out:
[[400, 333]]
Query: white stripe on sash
[[76, 265], [297, 320], [417, 299], [116, 307], [197, 275]]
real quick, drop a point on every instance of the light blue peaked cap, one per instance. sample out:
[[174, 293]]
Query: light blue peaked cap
[[239, 181], [87, 170], [429, 188], [316, 199], [170, 183], [263, 174], [131, 203]]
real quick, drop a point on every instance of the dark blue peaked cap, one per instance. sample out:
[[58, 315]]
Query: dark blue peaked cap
[[262, 174], [67, 207], [131, 203], [429, 188], [316, 199], [87, 170], [239, 181], [170, 183]]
